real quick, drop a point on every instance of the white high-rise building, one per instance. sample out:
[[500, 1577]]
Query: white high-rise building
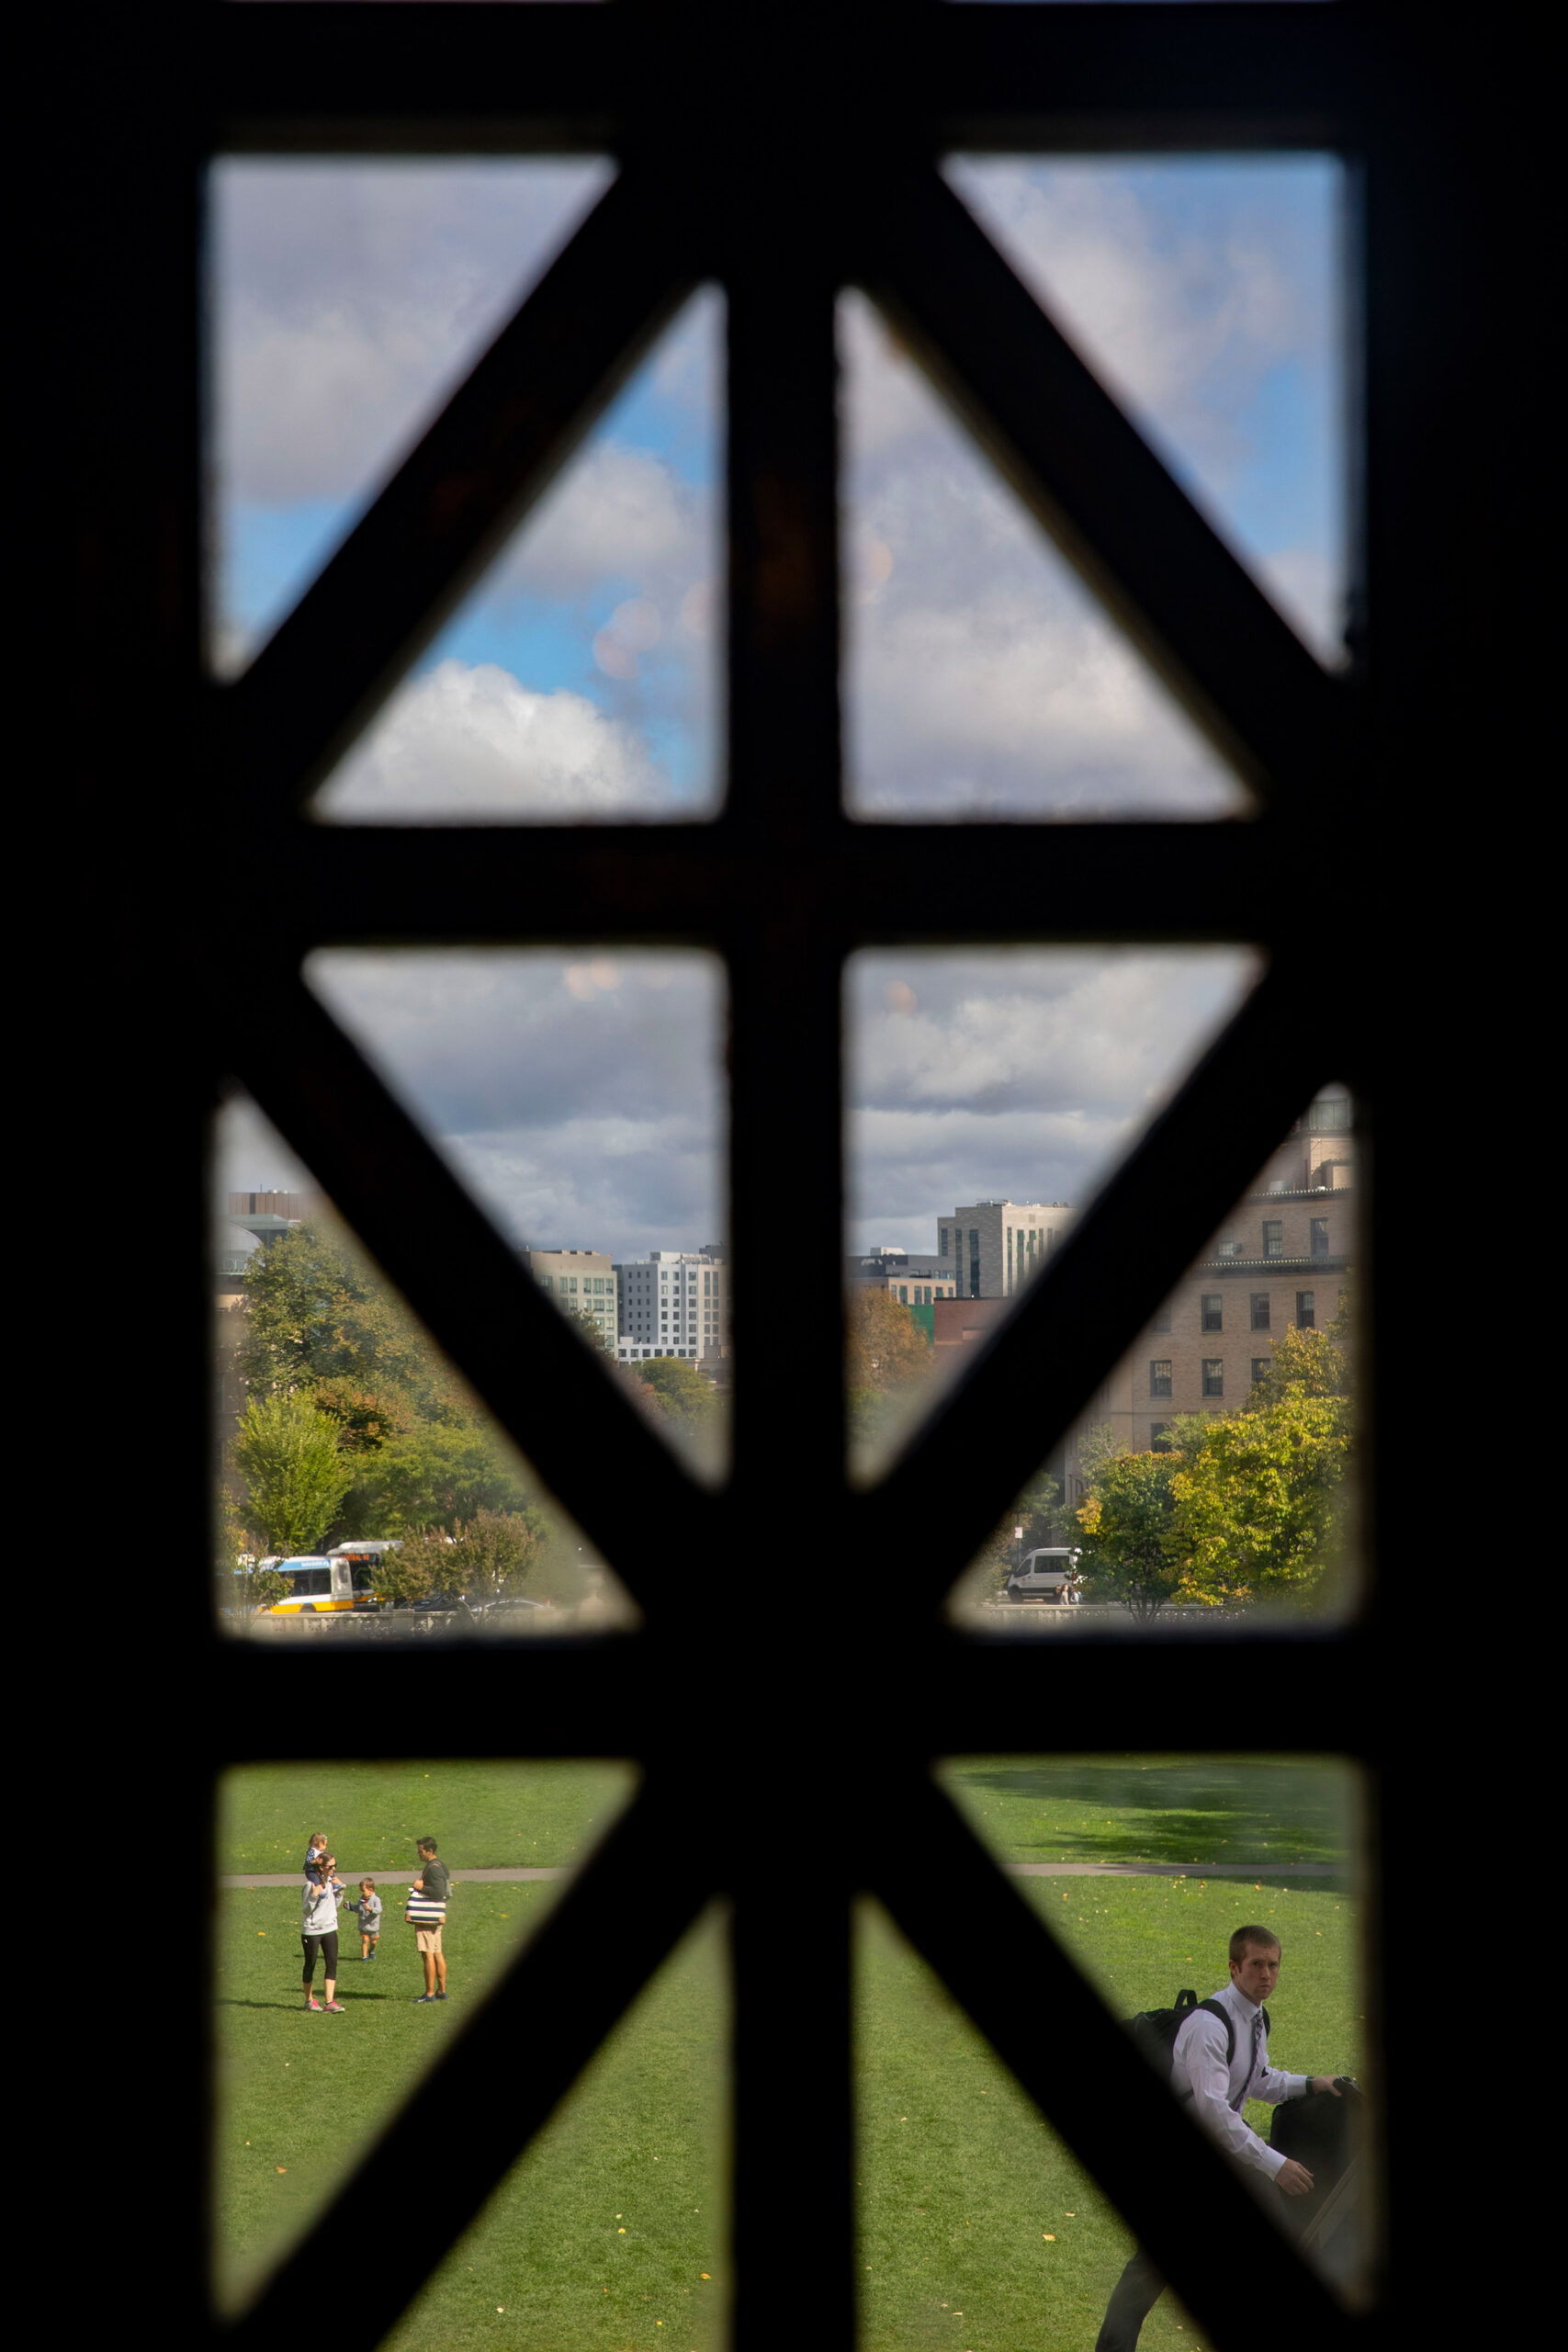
[[998, 1246], [674, 1302]]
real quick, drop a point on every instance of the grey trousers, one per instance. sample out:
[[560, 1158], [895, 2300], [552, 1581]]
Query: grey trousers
[[1132, 2298]]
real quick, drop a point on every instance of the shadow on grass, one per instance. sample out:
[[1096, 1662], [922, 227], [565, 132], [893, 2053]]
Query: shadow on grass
[[1119, 1809]]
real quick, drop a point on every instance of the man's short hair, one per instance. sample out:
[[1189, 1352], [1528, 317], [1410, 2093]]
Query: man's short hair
[[1245, 1939], [427, 1846]]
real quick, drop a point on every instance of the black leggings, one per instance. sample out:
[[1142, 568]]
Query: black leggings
[[327, 1946]]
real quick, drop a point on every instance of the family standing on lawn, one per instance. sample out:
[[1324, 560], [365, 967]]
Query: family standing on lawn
[[425, 1913]]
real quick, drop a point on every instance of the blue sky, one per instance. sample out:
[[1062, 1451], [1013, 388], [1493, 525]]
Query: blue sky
[[582, 675]]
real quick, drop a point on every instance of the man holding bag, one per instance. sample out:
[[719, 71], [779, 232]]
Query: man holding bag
[[426, 1914]]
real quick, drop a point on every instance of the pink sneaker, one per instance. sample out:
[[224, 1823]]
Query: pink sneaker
[[312, 2003], [338, 2006]]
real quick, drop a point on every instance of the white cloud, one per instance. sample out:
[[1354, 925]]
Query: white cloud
[[349, 298], [472, 742], [980, 675]]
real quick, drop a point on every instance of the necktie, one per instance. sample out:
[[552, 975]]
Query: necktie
[[1240, 2099]]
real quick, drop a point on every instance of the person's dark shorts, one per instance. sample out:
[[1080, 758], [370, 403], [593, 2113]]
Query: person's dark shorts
[[325, 1947]]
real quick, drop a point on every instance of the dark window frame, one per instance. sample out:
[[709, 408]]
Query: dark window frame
[[1212, 1311], [1161, 1375], [1213, 1377], [1260, 1309], [162, 759]]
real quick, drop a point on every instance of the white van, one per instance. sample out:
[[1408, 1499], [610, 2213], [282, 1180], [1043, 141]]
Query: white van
[[1050, 1574]]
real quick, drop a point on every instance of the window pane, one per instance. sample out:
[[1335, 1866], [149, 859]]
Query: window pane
[[365, 1494], [1206, 293], [980, 676], [1254, 1506], [347, 300], [286, 2134], [990, 1092], [613, 2228], [976, 2217], [582, 1099], [580, 677]]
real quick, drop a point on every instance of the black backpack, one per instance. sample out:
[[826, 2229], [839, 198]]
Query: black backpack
[[1155, 2030]]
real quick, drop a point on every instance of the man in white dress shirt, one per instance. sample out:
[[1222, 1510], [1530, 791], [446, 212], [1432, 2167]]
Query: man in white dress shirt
[[1217, 2088]]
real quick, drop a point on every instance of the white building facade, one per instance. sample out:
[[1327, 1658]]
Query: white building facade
[[674, 1302]]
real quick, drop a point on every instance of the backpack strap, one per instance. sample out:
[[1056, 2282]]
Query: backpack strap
[[1218, 2009]]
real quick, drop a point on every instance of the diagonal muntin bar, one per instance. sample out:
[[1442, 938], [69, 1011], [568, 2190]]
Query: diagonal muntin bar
[[1084, 1312], [616, 1923], [468, 1287], [493, 449], [974, 1927], [1093, 483]]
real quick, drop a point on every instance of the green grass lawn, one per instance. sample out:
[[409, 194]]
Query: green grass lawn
[[483, 1816], [1254, 1809], [978, 2228]]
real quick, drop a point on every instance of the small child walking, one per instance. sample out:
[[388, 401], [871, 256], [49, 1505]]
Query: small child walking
[[368, 1911]]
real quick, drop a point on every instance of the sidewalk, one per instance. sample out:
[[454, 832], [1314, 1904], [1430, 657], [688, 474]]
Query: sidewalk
[[1018, 1870]]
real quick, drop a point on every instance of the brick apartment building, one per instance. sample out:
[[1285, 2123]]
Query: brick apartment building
[[1279, 1259]]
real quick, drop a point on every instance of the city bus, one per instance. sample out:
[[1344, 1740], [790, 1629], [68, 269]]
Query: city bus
[[323, 1583]]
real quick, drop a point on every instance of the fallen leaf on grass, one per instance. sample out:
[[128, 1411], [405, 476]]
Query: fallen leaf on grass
[[1049, 2236], [280, 2167]]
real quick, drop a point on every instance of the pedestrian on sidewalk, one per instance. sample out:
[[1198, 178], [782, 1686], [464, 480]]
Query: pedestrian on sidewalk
[[426, 1914], [1216, 2067], [318, 1932]]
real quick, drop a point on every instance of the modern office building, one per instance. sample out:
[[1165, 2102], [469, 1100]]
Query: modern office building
[[581, 1282], [996, 1246], [674, 1302]]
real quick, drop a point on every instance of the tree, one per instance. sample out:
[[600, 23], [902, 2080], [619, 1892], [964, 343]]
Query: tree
[[1259, 1504], [1130, 1547], [434, 1474], [317, 1311], [1309, 1363], [1037, 1512], [291, 1459], [1098, 1445], [589, 1328], [886, 1346]]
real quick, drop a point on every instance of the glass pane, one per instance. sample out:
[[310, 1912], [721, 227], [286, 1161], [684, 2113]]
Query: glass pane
[[580, 677], [582, 1100], [981, 677], [347, 300], [990, 1093], [1144, 1866], [1214, 1469], [1205, 292], [364, 1492], [977, 2225], [286, 2136], [613, 2229]]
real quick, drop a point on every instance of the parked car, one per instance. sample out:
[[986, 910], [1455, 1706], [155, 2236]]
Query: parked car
[[1049, 1574]]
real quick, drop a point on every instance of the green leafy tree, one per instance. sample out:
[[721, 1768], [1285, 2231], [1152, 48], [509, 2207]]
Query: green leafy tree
[[317, 1312], [419, 1565], [589, 1328], [1309, 1363], [1260, 1503], [1098, 1445], [434, 1474], [290, 1456], [1131, 1545]]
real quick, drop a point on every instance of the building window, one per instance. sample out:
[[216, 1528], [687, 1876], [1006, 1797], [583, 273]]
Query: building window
[[1162, 1320], [973, 1263], [1159, 1376], [1213, 1376], [1260, 1368], [1273, 1238], [1306, 1310], [1320, 1236], [1159, 1437], [1260, 1310], [1213, 1311]]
